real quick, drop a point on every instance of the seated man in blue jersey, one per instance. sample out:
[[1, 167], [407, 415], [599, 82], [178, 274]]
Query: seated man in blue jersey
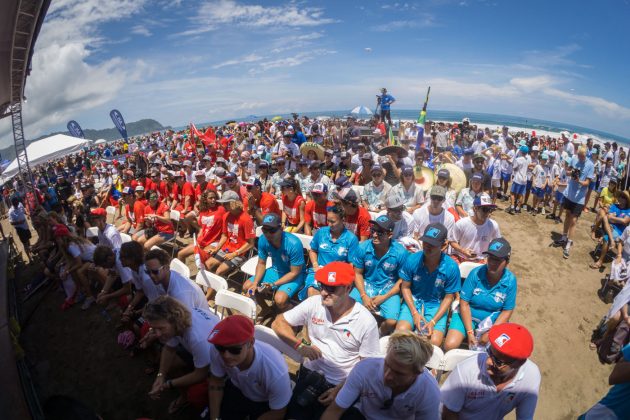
[[376, 265], [487, 298], [430, 280], [613, 224], [330, 243], [285, 277]]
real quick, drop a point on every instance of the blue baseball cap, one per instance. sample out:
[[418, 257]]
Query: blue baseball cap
[[384, 222]]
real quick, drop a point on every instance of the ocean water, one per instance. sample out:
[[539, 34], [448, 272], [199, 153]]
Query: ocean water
[[527, 124]]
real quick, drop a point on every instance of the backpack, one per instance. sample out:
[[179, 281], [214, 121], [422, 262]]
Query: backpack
[[609, 348]]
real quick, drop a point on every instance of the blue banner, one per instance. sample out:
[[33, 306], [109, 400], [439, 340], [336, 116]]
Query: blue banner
[[119, 122], [75, 129]]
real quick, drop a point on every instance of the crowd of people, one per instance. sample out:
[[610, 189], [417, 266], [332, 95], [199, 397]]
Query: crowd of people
[[355, 238]]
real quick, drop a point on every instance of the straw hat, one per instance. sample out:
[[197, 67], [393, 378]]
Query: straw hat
[[425, 178], [458, 177], [308, 146]]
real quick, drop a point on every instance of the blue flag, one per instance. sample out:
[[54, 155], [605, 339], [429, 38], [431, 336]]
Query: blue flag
[[119, 122], [75, 129]]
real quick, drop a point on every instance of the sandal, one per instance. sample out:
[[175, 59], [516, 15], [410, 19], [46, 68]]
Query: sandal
[[177, 405], [595, 266]]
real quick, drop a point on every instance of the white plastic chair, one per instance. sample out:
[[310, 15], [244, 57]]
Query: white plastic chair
[[259, 231], [249, 267], [383, 342], [436, 358], [125, 238], [180, 267], [452, 358], [267, 335], [466, 267], [305, 239], [175, 216], [233, 301], [111, 211], [92, 232], [211, 280], [373, 215], [280, 204], [358, 189]]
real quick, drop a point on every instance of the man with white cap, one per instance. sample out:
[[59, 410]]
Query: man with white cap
[[493, 383], [403, 221], [471, 235], [433, 212]]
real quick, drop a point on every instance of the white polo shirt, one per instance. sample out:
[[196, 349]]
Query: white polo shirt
[[195, 338], [469, 391], [110, 237], [186, 292], [342, 343], [420, 401], [422, 218], [267, 379], [468, 234], [125, 273], [142, 281]]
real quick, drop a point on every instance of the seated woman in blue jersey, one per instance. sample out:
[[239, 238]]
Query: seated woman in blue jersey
[[613, 223], [286, 275], [330, 243], [430, 280], [377, 262], [487, 298]]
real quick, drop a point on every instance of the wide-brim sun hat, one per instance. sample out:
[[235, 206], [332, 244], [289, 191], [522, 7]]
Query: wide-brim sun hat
[[308, 146]]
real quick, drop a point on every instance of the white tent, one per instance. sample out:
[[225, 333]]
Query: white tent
[[50, 148]]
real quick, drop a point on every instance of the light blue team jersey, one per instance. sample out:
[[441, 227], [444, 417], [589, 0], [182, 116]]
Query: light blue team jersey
[[329, 251], [618, 398], [488, 301], [386, 101], [290, 253], [380, 274], [431, 287], [574, 191], [617, 212]]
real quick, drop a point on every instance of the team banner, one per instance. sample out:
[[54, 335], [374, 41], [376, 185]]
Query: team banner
[[119, 122], [75, 129]]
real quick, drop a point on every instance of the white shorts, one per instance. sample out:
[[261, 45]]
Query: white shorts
[[495, 183]]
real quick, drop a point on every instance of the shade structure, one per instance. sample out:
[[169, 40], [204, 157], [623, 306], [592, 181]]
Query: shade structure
[[50, 148], [361, 110], [100, 141]]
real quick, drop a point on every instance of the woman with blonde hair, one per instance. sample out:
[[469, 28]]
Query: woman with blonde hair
[[174, 324]]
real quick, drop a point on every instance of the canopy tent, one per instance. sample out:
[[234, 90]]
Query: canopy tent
[[50, 148]]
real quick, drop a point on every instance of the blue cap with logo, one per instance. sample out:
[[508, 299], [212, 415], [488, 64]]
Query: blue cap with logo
[[499, 248], [272, 220], [435, 234], [384, 222]]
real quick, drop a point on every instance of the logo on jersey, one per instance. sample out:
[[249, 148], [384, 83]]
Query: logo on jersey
[[502, 339]]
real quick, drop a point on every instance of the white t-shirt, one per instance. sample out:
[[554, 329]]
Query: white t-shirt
[[506, 164], [125, 273], [539, 176], [402, 228], [422, 218], [18, 214], [468, 234], [343, 343], [110, 237], [85, 251], [195, 338], [186, 292], [520, 169], [142, 281], [267, 379], [469, 391], [412, 196], [420, 401]]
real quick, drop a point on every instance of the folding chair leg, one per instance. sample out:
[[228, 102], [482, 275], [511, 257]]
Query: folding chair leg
[[175, 239]]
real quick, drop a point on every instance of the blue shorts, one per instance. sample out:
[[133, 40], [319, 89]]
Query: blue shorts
[[616, 236], [528, 186], [538, 192], [593, 185], [458, 325], [290, 288], [429, 312], [309, 282], [548, 190], [506, 177], [559, 197], [390, 309], [165, 236], [518, 189]]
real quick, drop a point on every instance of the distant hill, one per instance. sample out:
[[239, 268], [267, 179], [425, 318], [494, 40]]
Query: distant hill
[[133, 129]]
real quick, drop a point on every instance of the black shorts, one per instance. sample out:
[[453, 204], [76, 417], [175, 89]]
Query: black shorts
[[385, 113], [574, 208], [24, 235]]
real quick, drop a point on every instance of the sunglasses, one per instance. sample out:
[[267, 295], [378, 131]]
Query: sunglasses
[[153, 197], [153, 272], [378, 232], [496, 361], [397, 210], [327, 288], [235, 350], [377, 174], [486, 209], [437, 198], [407, 174], [270, 231]]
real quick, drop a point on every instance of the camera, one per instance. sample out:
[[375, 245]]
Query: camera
[[575, 174], [317, 385]]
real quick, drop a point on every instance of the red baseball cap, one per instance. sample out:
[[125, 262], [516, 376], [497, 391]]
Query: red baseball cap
[[511, 340], [98, 212], [60, 230], [335, 274], [235, 329]]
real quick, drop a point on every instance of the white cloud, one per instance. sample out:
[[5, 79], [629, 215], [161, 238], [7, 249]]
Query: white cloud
[[291, 42], [141, 30], [291, 61], [423, 21], [246, 59]]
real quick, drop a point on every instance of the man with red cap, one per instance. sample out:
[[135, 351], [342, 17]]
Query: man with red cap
[[247, 377], [492, 384], [108, 235], [342, 332]]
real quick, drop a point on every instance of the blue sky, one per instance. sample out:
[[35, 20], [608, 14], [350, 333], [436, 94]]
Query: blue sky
[[179, 61]]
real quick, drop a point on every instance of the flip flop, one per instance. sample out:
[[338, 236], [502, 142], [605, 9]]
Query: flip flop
[[177, 405], [595, 266]]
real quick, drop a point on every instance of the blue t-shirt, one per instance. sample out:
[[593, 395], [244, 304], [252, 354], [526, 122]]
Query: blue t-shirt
[[299, 138], [329, 251], [574, 191], [290, 253], [488, 301], [617, 212], [458, 151], [618, 398], [386, 101], [431, 287], [380, 274]]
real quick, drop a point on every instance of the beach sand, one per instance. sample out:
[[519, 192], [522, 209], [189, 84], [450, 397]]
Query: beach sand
[[75, 352]]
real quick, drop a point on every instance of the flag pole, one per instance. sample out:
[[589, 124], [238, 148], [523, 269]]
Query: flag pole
[[421, 119]]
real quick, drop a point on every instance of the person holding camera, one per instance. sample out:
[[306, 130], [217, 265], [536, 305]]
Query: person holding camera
[[385, 100], [582, 173], [342, 332]]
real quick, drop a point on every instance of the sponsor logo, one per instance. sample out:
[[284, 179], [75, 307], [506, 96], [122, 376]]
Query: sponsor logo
[[502, 339]]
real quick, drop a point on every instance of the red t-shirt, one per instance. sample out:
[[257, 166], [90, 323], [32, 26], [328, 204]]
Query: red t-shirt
[[187, 190], [359, 223], [199, 190], [162, 189], [269, 204], [316, 215], [211, 222], [292, 208], [160, 211], [239, 229]]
